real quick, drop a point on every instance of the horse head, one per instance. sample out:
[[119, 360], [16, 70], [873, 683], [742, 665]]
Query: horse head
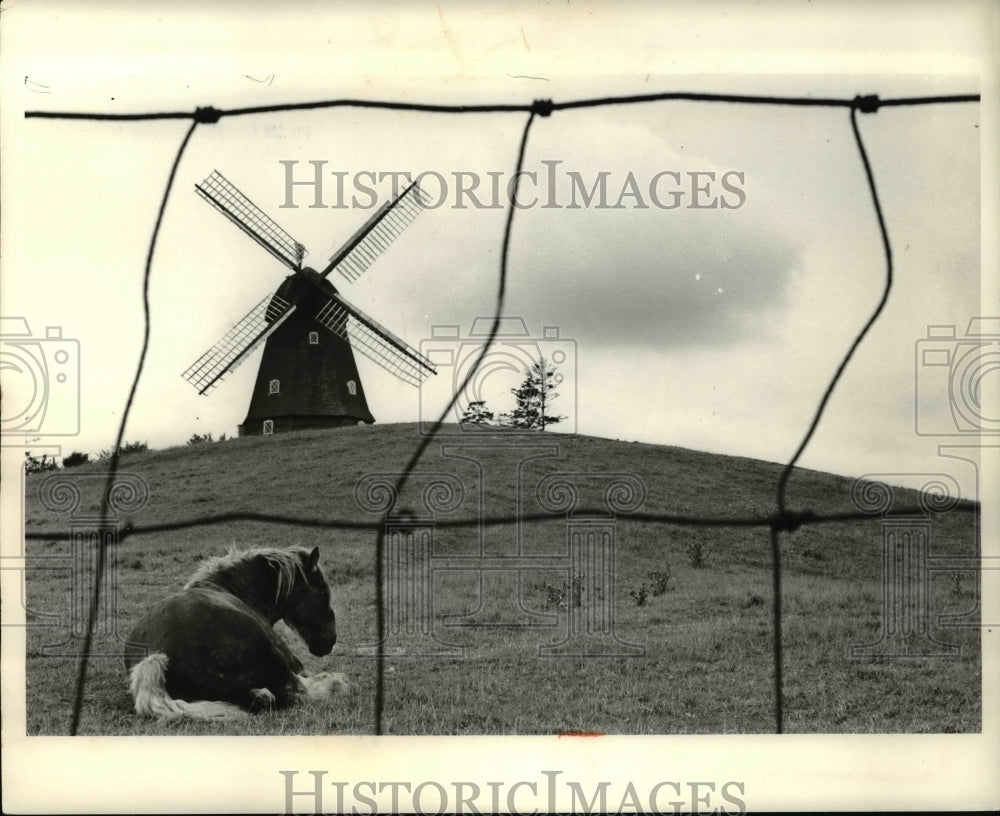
[[307, 609]]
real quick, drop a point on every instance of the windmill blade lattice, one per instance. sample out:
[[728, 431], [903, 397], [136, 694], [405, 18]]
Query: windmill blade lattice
[[237, 343], [375, 341], [353, 259], [218, 191]]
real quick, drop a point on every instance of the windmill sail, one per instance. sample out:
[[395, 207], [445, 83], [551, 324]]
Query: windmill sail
[[353, 258], [218, 191], [237, 344], [375, 341]]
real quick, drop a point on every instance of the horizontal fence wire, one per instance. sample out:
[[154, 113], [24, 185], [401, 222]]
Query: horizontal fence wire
[[210, 115], [783, 520], [789, 521]]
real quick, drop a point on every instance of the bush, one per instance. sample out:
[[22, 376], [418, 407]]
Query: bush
[[197, 439], [75, 459], [956, 585], [32, 464], [660, 579], [697, 553], [125, 449], [555, 597], [561, 597]]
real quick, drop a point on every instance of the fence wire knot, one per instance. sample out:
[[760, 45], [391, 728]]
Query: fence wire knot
[[543, 107], [867, 104], [207, 115]]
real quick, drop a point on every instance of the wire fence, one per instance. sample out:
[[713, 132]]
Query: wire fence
[[783, 520]]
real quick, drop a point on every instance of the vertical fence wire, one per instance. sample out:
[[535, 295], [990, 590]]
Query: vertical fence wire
[[429, 437], [95, 597], [782, 521]]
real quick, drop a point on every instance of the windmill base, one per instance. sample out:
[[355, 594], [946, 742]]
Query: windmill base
[[267, 427]]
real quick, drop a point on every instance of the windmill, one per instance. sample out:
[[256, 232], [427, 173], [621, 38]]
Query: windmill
[[308, 377]]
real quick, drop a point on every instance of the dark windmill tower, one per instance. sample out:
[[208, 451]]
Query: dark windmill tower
[[308, 377]]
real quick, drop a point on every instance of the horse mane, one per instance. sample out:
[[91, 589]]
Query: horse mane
[[228, 572]]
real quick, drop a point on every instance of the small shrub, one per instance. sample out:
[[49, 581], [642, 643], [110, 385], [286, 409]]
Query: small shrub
[[555, 597], [641, 595], [752, 599], [660, 579], [124, 450], [75, 459], [197, 439], [560, 597], [697, 553], [34, 464], [956, 585]]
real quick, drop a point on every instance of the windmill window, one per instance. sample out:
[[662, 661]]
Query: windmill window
[[313, 338], [268, 427], [352, 388], [274, 387]]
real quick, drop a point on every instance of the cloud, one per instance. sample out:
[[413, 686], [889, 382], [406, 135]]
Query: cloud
[[637, 274], [651, 277]]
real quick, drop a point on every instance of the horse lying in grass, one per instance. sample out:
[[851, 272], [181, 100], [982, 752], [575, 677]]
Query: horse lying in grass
[[210, 651]]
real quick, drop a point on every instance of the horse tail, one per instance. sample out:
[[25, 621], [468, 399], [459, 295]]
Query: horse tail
[[148, 684]]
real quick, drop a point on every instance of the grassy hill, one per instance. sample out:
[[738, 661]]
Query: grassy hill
[[699, 658]]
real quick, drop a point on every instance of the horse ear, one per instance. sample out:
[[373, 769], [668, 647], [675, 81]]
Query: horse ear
[[313, 559]]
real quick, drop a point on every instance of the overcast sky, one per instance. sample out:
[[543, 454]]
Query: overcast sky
[[714, 328]]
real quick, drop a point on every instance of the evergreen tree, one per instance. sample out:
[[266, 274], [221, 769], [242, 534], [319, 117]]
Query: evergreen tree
[[477, 414], [534, 396]]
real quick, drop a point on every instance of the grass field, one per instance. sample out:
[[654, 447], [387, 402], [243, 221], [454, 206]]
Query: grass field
[[706, 661]]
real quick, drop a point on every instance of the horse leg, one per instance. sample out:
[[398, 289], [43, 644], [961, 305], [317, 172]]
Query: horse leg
[[262, 698], [263, 679], [323, 686], [278, 694]]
